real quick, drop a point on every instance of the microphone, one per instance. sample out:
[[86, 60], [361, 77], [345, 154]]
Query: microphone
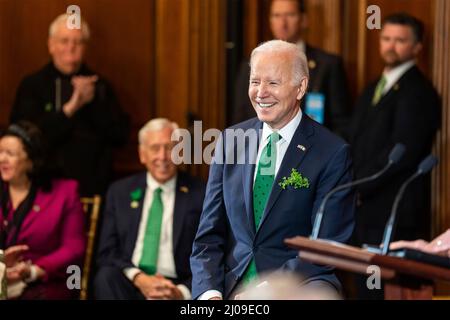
[[424, 167], [394, 156]]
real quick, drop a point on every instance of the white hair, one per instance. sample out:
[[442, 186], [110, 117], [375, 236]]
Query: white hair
[[299, 61], [156, 124], [62, 19]]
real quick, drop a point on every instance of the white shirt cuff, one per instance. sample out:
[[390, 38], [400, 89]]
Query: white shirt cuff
[[210, 294], [33, 274], [184, 291], [130, 273]]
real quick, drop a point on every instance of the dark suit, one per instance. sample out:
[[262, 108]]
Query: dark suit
[[327, 76], [408, 113], [226, 240], [80, 146], [120, 230]]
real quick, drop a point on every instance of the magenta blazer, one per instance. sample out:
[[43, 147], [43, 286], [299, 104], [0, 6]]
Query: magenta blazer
[[54, 230]]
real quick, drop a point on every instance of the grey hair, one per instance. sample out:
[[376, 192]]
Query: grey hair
[[62, 18], [156, 124], [299, 61]]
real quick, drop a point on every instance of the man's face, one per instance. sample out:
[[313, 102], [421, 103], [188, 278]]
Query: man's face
[[67, 49], [155, 154], [397, 44], [285, 20], [273, 95]]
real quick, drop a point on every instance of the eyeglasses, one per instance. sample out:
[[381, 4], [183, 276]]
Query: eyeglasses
[[67, 41], [155, 148]]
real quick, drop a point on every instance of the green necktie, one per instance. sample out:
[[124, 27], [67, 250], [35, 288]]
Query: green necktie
[[152, 235], [379, 90], [262, 186]]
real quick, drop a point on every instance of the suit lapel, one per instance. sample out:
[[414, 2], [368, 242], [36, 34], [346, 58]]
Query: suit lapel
[[135, 213], [389, 95], [181, 203], [292, 159], [247, 177], [395, 88]]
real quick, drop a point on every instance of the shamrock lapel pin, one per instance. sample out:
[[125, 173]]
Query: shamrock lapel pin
[[295, 180], [135, 196], [184, 189]]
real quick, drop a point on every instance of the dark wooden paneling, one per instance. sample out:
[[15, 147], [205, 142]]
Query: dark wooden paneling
[[421, 9], [121, 50], [441, 79], [190, 63]]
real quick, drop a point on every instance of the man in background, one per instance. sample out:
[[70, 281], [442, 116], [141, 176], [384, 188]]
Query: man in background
[[76, 109], [327, 100], [400, 107], [149, 225]]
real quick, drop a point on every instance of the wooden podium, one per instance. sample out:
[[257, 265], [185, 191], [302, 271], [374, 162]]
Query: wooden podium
[[404, 279]]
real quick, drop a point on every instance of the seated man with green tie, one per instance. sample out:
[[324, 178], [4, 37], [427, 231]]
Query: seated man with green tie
[[149, 225]]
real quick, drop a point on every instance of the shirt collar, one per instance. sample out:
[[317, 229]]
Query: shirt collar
[[301, 45], [168, 186], [287, 132], [392, 76]]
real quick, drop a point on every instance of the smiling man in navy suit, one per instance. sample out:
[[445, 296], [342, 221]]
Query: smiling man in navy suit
[[149, 225], [247, 214]]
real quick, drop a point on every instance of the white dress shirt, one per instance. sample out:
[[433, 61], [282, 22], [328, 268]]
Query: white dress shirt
[[166, 262], [392, 76], [286, 133], [301, 45]]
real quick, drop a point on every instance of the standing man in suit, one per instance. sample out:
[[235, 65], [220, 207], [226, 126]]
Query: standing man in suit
[[249, 207], [149, 225], [327, 86], [401, 106]]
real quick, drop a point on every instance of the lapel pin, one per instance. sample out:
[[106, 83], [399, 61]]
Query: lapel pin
[[134, 204], [301, 147], [136, 195], [36, 208], [396, 87], [184, 189], [312, 64]]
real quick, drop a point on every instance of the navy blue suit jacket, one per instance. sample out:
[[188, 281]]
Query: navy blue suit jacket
[[121, 223], [226, 240]]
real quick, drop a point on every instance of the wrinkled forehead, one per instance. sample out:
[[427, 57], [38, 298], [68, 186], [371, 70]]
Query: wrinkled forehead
[[271, 65], [162, 136]]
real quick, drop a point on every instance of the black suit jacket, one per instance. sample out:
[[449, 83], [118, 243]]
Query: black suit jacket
[[327, 76], [409, 113], [80, 146], [121, 223]]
